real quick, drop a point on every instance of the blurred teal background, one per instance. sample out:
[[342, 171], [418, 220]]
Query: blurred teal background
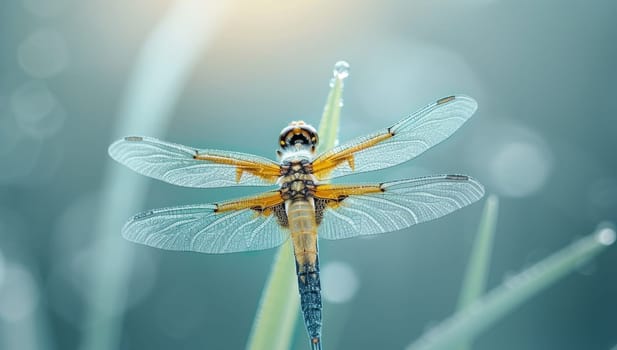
[[543, 139]]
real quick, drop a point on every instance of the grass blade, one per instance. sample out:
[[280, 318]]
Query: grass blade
[[474, 283], [476, 318], [330, 119], [278, 309]]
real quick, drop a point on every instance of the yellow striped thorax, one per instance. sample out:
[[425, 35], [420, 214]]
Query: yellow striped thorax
[[297, 180]]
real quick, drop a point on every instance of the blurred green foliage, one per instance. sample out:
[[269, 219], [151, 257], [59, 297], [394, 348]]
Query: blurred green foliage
[[543, 74]]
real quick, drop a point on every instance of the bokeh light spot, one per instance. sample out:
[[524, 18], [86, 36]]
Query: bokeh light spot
[[519, 169], [518, 162], [32, 101], [37, 111], [43, 54], [339, 282]]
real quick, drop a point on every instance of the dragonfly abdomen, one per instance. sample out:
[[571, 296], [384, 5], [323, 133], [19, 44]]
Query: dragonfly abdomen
[[301, 218], [310, 300]]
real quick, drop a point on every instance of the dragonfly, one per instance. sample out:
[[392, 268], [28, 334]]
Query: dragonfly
[[302, 204]]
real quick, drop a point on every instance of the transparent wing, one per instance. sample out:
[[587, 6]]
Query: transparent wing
[[358, 210], [184, 166], [253, 223], [401, 142]]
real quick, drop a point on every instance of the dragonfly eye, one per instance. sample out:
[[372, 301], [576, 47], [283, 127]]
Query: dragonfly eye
[[298, 135]]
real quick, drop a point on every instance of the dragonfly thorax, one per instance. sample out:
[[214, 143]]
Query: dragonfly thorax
[[297, 180]]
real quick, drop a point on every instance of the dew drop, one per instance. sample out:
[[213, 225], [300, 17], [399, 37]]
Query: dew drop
[[606, 236], [341, 70]]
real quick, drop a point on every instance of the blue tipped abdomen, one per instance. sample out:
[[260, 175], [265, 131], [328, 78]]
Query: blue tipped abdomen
[[310, 301]]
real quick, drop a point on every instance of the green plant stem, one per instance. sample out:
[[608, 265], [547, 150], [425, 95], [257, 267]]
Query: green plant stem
[[474, 283], [278, 310], [487, 310], [330, 118], [277, 313]]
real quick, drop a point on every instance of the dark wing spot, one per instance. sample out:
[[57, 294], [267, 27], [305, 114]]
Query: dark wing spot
[[133, 138], [457, 177], [143, 215], [445, 99]]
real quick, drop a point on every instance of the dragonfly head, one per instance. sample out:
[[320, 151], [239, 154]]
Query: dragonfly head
[[298, 136]]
